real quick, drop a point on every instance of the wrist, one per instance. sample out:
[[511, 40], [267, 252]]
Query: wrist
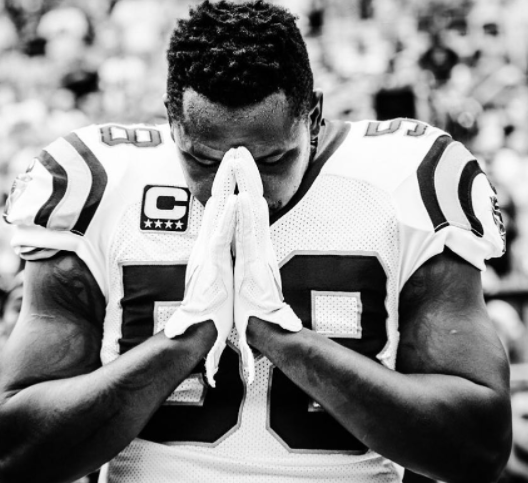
[[259, 332], [200, 337], [254, 330]]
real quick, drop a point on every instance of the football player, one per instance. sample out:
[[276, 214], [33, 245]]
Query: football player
[[150, 249]]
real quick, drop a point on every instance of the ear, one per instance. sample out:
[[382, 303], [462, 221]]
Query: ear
[[165, 98], [166, 103], [316, 113]]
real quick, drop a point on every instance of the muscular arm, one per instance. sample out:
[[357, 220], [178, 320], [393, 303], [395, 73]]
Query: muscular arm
[[62, 414], [445, 412]]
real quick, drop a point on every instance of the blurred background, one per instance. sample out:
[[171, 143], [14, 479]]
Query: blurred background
[[458, 64]]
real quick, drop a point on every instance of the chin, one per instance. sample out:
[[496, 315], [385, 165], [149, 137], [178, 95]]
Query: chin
[[274, 206]]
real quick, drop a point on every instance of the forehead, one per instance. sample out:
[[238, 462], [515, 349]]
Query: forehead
[[259, 127]]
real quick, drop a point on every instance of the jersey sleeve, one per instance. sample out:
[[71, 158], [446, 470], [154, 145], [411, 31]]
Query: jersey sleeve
[[448, 202], [53, 204]]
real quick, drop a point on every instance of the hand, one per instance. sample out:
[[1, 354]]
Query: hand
[[209, 274], [258, 286]]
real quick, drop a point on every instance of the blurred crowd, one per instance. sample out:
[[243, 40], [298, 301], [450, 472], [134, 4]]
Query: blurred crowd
[[458, 64]]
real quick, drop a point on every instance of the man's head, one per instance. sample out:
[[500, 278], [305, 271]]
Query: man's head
[[239, 75]]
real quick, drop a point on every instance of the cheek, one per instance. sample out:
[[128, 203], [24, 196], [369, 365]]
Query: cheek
[[199, 183], [279, 189]]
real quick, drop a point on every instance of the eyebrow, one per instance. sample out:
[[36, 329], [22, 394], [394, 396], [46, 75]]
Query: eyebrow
[[206, 152], [218, 157]]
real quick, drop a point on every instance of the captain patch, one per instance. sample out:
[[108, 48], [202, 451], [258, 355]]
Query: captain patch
[[165, 208]]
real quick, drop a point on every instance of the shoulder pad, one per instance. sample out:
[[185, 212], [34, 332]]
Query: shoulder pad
[[449, 202], [60, 190], [456, 192]]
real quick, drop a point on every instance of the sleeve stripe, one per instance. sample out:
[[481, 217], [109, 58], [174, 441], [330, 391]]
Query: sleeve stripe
[[99, 182], [426, 181], [67, 212], [60, 183], [470, 172], [446, 177], [447, 184]]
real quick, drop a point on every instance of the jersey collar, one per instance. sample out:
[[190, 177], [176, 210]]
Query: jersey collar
[[331, 136]]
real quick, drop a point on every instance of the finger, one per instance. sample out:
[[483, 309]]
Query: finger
[[224, 182], [247, 174], [212, 360], [225, 228], [212, 207], [229, 220], [260, 207], [209, 217], [246, 236], [248, 361]]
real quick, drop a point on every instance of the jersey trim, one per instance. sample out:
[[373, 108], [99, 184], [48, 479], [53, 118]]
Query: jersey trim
[[449, 166], [332, 135], [470, 172], [99, 182], [425, 174], [60, 183]]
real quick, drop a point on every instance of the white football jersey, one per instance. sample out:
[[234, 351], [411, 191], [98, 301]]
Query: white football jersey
[[379, 200]]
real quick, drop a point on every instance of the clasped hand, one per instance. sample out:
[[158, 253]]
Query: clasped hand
[[214, 288]]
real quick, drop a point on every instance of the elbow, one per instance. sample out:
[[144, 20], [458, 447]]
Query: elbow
[[17, 470], [497, 447], [485, 458], [8, 473], [14, 465], [489, 468], [486, 468]]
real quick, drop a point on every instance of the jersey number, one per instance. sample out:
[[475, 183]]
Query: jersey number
[[373, 128], [141, 137], [292, 416]]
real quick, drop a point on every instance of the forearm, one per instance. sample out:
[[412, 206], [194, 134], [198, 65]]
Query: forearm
[[443, 426], [66, 428]]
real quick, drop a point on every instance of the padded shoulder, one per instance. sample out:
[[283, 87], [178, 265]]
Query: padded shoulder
[[441, 196], [61, 189], [74, 193], [383, 153], [65, 185], [449, 202]]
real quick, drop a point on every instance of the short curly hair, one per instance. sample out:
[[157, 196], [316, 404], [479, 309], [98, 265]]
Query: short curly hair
[[237, 55]]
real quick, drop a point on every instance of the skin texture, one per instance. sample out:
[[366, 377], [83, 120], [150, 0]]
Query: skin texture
[[451, 363], [445, 413], [279, 144], [60, 410]]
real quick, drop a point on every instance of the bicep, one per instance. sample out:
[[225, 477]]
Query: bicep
[[445, 328], [58, 333]]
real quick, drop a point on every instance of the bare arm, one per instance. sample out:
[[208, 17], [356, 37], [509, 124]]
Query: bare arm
[[62, 414], [446, 412]]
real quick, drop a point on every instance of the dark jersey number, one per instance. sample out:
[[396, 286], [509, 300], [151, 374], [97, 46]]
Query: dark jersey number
[[144, 285], [292, 415], [293, 418]]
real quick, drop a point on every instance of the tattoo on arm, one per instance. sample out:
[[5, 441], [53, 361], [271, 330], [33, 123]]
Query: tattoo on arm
[[64, 282], [59, 332]]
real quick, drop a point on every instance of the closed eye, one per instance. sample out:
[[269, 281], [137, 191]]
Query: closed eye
[[203, 162], [271, 160]]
